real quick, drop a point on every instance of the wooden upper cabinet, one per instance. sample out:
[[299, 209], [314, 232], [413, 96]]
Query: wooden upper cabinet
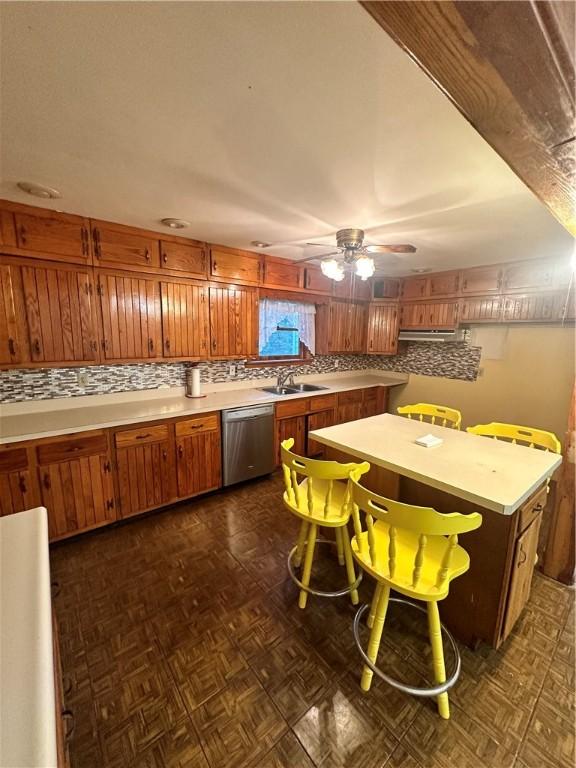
[[60, 313], [437, 315], [525, 276], [185, 323], [75, 477], [131, 317], [316, 282], [414, 287], [38, 232], [443, 284], [181, 256], [233, 322], [480, 281], [118, 246], [532, 307], [385, 288], [233, 265], [14, 346], [347, 327], [382, 334], [281, 273], [352, 288], [481, 309], [18, 487]]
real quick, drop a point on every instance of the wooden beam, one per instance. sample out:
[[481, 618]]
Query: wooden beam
[[509, 68], [559, 560]]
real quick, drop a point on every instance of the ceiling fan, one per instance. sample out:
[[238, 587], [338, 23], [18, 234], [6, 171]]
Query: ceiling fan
[[349, 246]]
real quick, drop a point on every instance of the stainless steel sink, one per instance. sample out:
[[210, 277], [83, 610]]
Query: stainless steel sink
[[292, 390], [280, 390], [307, 387]]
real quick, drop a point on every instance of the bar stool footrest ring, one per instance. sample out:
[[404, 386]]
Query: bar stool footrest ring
[[318, 592], [435, 690]]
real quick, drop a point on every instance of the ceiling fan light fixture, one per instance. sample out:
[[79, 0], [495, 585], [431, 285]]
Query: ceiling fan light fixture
[[332, 269], [365, 267]]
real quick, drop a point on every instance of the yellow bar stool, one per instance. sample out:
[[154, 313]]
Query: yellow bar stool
[[320, 500], [414, 551], [534, 438], [436, 414]]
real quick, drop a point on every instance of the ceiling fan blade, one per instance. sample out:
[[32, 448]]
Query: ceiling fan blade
[[401, 248], [319, 245], [318, 256]]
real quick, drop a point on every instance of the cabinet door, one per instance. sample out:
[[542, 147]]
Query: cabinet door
[[316, 282], [318, 421], [350, 406], [352, 288], [370, 402], [481, 309], [294, 427], [480, 281], [283, 274], [522, 571], [51, 235], [236, 265], [198, 455], [76, 484], [339, 330], [532, 307], [131, 317], [13, 331], [442, 314], [184, 320], [358, 322], [386, 288], [18, 491], [536, 275], [233, 322], [414, 287], [118, 246], [184, 257], [382, 329], [145, 468], [443, 284], [413, 315], [60, 314]]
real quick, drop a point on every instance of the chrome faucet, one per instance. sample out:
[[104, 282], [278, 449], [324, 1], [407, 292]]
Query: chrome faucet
[[285, 377]]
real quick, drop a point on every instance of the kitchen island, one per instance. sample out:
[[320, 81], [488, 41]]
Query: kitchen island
[[506, 483]]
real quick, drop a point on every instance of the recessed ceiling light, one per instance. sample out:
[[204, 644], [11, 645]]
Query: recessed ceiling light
[[39, 190], [420, 270], [259, 244], [175, 223]]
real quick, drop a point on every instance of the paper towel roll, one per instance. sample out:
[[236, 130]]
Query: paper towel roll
[[195, 377]]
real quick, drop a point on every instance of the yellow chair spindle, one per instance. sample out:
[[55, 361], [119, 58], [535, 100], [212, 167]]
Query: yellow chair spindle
[[418, 560], [300, 543], [310, 497], [446, 560], [374, 605], [392, 552], [349, 560], [371, 541], [435, 633], [296, 488], [288, 484], [328, 500], [358, 530]]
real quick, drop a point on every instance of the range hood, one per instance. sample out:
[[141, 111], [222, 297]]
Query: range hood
[[457, 335]]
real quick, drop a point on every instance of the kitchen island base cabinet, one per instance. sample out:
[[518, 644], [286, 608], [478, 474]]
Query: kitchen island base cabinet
[[198, 455]]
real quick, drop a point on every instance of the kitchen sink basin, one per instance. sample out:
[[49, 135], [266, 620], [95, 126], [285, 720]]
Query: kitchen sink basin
[[292, 390]]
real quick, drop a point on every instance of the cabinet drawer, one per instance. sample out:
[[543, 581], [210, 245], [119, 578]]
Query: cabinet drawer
[[208, 423], [283, 274], [72, 448], [13, 459], [235, 265], [322, 403], [532, 508], [292, 408], [184, 258], [349, 398], [146, 434], [118, 246]]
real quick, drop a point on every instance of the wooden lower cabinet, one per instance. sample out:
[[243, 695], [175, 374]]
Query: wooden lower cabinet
[[145, 467], [198, 455], [350, 406], [522, 571], [295, 427], [18, 489], [318, 421], [76, 486]]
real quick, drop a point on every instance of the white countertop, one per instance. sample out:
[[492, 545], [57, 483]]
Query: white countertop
[[27, 701], [491, 473], [47, 418]]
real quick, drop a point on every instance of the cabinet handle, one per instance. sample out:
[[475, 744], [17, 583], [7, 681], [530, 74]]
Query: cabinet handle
[[85, 247], [151, 345], [37, 348], [105, 345], [214, 266], [521, 562], [46, 481], [22, 485], [147, 254], [67, 714], [203, 262], [110, 504], [11, 347], [165, 258], [164, 454], [22, 233], [167, 343], [96, 238], [464, 285], [93, 346], [107, 467], [180, 451], [143, 437], [213, 345]]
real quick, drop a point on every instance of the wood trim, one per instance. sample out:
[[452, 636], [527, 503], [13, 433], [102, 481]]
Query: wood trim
[[520, 99], [304, 296]]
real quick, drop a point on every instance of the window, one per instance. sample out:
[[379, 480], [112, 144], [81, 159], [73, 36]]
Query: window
[[287, 329]]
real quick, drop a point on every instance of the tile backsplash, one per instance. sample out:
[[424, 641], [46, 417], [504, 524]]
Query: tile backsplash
[[451, 360]]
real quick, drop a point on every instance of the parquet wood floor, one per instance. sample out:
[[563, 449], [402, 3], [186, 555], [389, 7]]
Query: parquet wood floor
[[183, 647]]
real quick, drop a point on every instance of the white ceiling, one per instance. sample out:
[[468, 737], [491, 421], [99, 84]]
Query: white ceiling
[[273, 121]]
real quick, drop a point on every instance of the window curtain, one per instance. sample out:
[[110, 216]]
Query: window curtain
[[273, 313]]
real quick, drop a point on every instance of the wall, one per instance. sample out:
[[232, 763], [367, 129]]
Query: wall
[[531, 385], [455, 360]]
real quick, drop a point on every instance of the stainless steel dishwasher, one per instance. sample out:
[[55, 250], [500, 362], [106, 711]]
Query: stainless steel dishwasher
[[247, 443]]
